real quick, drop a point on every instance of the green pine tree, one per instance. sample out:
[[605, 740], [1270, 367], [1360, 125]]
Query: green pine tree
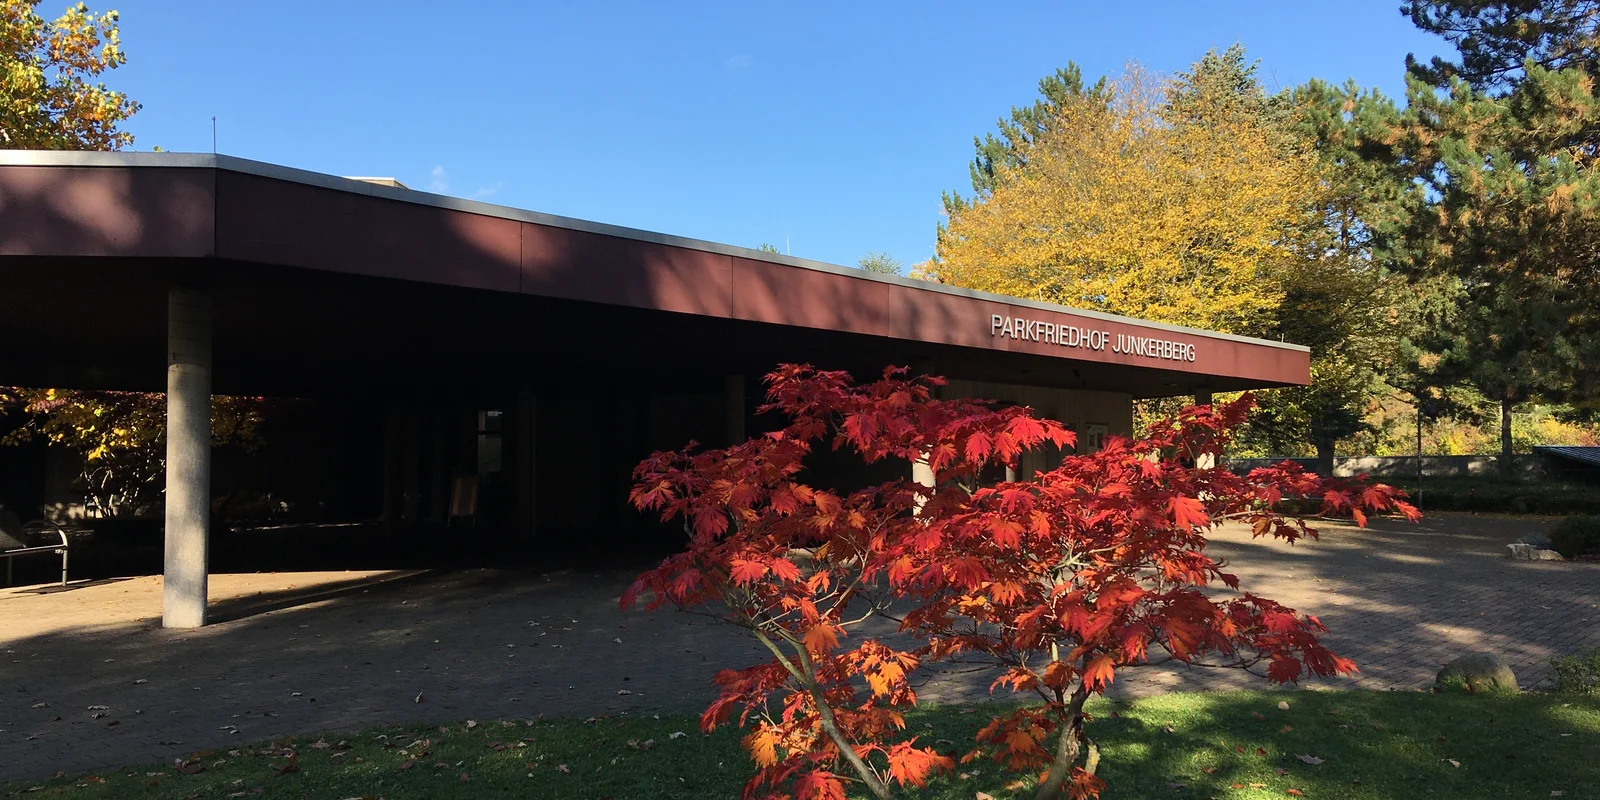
[[1024, 127], [1497, 38], [1508, 226]]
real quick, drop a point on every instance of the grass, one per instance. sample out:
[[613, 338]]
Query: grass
[[1491, 493], [1235, 746]]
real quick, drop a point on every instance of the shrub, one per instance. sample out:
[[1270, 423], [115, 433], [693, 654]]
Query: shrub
[[1576, 536], [1578, 674]]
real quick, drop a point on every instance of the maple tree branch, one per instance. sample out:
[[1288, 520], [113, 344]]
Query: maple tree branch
[[830, 725]]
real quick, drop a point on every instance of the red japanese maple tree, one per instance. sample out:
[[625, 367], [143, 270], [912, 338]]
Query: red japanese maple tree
[[1061, 579]]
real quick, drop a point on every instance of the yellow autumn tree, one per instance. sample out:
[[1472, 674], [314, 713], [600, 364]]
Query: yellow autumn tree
[[49, 98], [120, 438], [1125, 205]]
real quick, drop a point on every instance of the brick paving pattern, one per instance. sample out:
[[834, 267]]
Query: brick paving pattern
[[297, 653]]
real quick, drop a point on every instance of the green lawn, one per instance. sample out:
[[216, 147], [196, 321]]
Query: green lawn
[[1232, 745]]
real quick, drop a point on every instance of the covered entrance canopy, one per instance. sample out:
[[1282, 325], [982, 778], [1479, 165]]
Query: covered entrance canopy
[[254, 279]]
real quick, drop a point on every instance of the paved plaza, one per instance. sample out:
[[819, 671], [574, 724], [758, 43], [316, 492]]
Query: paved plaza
[[90, 679]]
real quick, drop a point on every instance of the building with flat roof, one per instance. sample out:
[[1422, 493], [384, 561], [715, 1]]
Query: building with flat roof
[[542, 355]]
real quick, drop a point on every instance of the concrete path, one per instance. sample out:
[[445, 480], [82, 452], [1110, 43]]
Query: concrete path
[[90, 680]]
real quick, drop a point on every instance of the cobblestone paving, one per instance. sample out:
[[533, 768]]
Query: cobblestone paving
[[304, 652]]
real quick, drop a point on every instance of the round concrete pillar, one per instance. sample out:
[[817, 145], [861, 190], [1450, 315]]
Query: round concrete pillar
[[188, 501]]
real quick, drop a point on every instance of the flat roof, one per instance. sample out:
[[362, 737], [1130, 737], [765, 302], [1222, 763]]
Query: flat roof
[[257, 212]]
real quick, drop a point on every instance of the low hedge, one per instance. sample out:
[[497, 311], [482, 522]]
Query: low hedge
[[1493, 494], [1576, 536]]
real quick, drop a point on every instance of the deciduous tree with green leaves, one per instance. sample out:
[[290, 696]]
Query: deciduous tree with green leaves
[[881, 263]]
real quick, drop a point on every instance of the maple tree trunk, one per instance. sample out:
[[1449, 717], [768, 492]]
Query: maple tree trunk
[[1069, 745]]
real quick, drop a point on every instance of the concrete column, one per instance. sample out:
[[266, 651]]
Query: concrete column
[[1204, 460], [922, 475], [733, 392], [188, 506]]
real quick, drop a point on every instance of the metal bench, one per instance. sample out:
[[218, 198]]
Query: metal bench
[[15, 541]]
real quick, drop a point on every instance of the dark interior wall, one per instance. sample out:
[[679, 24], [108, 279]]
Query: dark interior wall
[[323, 459], [22, 470]]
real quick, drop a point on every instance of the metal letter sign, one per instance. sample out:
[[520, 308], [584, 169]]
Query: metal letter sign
[[1035, 330]]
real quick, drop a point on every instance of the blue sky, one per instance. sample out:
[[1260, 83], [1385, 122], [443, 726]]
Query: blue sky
[[834, 125]]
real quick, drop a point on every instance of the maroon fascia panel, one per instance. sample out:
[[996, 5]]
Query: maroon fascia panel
[[94, 211], [191, 212]]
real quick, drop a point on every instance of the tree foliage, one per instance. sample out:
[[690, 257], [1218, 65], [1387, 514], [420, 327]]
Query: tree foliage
[[1026, 125], [1204, 200], [1345, 304], [49, 99], [1119, 208], [1061, 581], [1505, 224], [120, 437], [1496, 39], [881, 263]]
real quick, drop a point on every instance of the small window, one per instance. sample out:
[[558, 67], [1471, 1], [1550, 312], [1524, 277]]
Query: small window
[[1094, 437]]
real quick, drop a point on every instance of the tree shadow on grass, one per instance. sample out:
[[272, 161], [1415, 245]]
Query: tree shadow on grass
[[1356, 744]]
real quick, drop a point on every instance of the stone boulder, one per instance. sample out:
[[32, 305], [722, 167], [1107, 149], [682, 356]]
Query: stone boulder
[[1521, 551], [1477, 673]]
